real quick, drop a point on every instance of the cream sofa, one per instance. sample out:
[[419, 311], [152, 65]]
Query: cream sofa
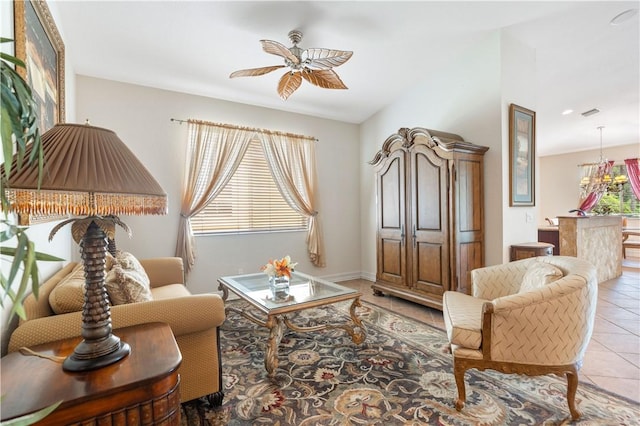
[[194, 320], [524, 317]]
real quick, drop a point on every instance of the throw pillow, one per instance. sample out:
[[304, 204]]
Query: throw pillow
[[126, 280], [538, 275], [68, 295]]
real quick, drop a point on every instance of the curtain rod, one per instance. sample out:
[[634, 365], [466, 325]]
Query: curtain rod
[[253, 129]]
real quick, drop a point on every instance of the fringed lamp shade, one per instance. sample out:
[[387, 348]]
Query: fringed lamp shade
[[87, 171]]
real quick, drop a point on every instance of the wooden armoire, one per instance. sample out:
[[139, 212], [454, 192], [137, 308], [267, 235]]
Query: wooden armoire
[[430, 219]]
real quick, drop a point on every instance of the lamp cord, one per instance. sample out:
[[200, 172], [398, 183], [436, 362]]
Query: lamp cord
[[26, 351]]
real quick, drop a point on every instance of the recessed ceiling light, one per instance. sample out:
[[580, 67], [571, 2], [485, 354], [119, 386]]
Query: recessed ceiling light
[[567, 111], [623, 17]]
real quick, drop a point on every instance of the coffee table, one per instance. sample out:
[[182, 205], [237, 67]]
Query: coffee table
[[306, 292]]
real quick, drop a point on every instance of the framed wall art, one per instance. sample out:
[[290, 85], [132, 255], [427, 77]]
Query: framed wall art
[[522, 155], [39, 45]]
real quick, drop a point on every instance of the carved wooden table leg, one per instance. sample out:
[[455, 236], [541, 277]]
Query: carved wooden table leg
[[276, 331], [357, 333], [225, 292]]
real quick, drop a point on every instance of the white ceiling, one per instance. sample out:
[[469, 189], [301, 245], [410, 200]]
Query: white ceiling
[[192, 47]]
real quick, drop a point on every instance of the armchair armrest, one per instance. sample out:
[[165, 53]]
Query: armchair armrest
[[164, 270], [549, 326], [185, 315], [45, 329]]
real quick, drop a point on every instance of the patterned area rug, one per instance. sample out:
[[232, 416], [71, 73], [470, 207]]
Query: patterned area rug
[[401, 375]]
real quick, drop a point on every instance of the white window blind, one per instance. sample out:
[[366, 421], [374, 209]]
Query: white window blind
[[250, 202]]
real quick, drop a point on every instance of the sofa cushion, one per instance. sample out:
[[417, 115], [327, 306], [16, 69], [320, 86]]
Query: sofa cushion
[[538, 275], [170, 291], [68, 295], [126, 280], [463, 319]]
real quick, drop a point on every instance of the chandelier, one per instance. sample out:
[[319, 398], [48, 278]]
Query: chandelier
[[596, 177]]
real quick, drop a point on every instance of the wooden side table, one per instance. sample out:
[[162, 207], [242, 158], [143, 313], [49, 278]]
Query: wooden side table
[[551, 235], [142, 388], [525, 250]]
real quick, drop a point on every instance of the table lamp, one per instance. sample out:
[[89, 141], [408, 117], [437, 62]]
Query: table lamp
[[89, 172]]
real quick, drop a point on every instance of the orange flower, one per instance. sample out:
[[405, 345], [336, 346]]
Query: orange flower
[[279, 268]]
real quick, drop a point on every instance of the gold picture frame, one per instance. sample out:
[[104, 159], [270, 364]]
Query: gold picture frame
[[522, 156], [39, 45]]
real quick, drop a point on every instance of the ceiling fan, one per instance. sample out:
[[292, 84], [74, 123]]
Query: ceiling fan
[[313, 64]]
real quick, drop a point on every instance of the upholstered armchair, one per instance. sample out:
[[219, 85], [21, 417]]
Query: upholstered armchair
[[533, 316], [194, 320]]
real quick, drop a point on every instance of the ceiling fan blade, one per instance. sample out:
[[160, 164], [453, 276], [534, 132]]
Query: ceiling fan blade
[[279, 49], [255, 71], [288, 84], [327, 79], [327, 58]]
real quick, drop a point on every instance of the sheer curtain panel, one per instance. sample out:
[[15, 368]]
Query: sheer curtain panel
[[213, 155], [292, 162]]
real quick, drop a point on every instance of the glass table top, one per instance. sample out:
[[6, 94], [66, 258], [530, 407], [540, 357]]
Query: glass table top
[[303, 289]]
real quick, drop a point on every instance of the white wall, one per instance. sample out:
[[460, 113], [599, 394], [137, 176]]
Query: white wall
[[464, 98], [560, 177], [141, 118], [519, 224]]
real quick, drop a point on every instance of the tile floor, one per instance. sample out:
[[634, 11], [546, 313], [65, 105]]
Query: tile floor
[[612, 360]]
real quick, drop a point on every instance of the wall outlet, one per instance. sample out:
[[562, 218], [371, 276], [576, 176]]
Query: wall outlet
[[240, 271], [529, 217]]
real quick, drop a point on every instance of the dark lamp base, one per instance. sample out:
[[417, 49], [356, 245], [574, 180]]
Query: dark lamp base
[[74, 364]]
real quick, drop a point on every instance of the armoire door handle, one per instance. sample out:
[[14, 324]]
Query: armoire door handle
[[415, 240]]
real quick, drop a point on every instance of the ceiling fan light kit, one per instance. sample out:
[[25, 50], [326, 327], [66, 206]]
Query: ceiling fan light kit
[[315, 65]]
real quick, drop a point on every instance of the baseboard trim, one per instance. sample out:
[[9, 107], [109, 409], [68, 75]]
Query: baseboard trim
[[346, 276], [369, 276]]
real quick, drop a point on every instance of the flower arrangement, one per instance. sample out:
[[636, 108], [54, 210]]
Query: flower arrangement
[[279, 268]]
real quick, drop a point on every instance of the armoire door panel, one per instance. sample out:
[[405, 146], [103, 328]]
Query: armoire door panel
[[429, 262], [427, 193], [392, 195], [391, 239], [469, 195], [429, 213], [392, 261]]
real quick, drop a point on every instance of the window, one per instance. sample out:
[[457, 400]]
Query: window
[[623, 202], [250, 202]]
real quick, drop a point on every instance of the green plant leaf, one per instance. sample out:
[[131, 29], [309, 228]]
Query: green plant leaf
[[18, 309], [7, 234], [5, 287], [21, 141], [18, 257], [32, 418], [12, 59], [7, 148], [10, 251], [27, 263]]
